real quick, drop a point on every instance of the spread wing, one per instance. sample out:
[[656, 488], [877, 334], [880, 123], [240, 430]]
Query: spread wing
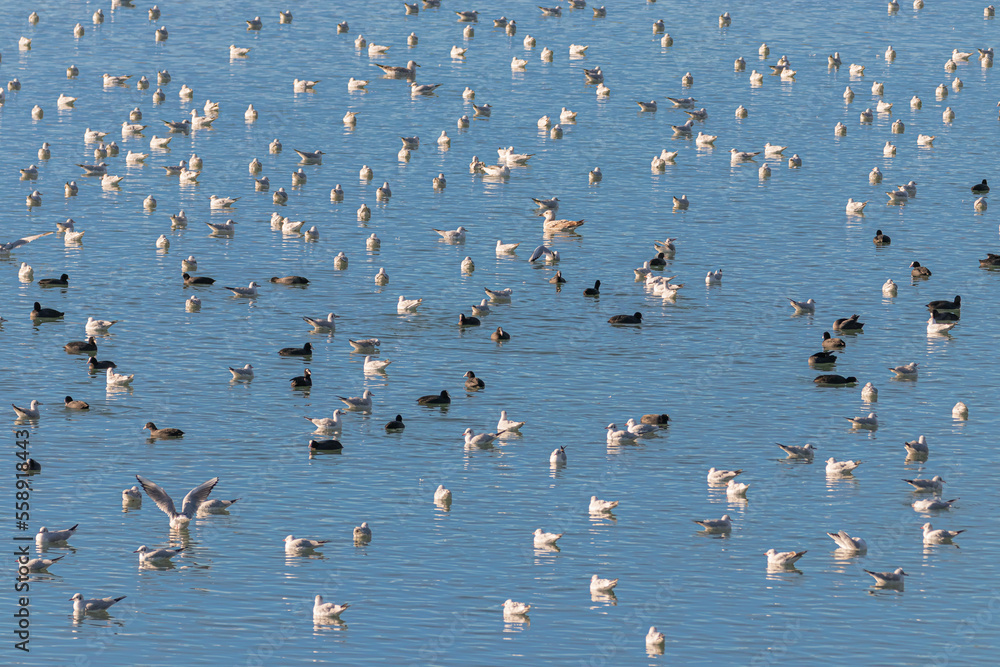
[[539, 252], [197, 496], [158, 496], [20, 242]]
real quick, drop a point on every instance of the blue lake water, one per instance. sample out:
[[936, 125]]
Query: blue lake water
[[727, 362]]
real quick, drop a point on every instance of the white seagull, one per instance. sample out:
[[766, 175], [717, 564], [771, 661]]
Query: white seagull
[[616, 436], [189, 506], [46, 536], [848, 543], [511, 608], [835, 467], [146, 554], [81, 605], [871, 421], [480, 440], [250, 290], [933, 484], [245, 373], [405, 305], [889, 579], [452, 235], [932, 536], [327, 323], [782, 559], [808, 306], [31, 412], [905, 370], [364, 402], [722, 525], [302, 544], [118, 379], [542, 538], [327, 609], [329, 424], [721, 476], [597, 505], [598, 585]]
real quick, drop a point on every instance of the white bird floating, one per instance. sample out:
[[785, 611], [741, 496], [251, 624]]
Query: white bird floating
[[808, 306], [782, 559], [598, 506], [848, 543], [835, 467]]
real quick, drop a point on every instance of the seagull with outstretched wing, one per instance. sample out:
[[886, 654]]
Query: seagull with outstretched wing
[[7, 247]]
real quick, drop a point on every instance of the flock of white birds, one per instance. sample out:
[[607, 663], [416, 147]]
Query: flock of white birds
[[944, 314]]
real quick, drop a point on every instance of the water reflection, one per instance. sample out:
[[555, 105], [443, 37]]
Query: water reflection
[[608, 598]]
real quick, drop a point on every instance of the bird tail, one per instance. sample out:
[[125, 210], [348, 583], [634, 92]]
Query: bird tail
[[121, 598], [74, 527]]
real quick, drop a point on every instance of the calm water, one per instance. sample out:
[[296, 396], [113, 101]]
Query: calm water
[[728, 363]]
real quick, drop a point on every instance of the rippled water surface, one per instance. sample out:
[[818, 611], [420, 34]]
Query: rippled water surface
[[727, 362]]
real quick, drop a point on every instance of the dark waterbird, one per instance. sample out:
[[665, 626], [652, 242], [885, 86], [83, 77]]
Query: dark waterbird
[[61, 281], [835, 380], [39, 313], [435, 399], [325, 445], [991, 260], [831, 343], [945, 304], [626, 319], [302, 381], [848, 323], [823, 358], [89, 345], [472, 382], [162, 432], [76, 405], [659, 420], [197, 280], [303, 351]]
